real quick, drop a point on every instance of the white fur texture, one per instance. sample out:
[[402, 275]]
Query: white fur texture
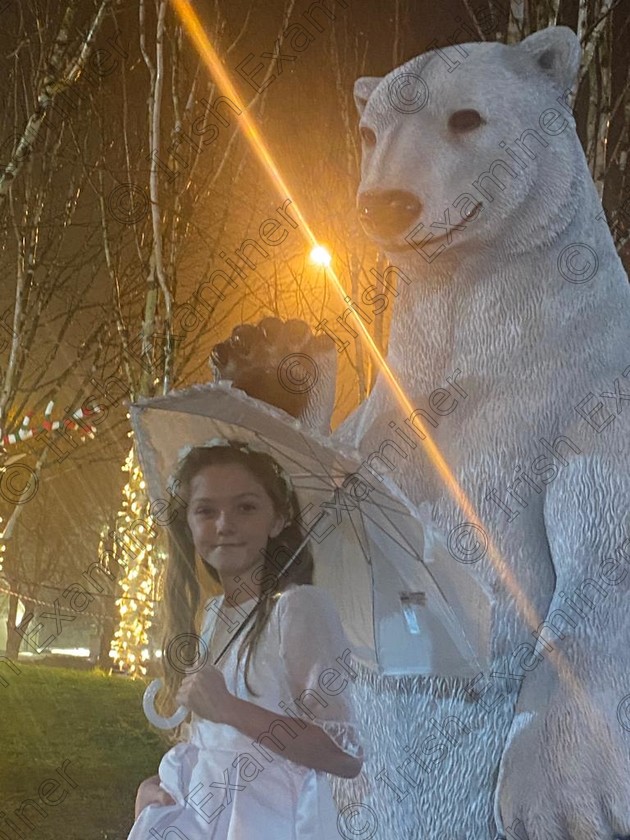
[[531, 345]]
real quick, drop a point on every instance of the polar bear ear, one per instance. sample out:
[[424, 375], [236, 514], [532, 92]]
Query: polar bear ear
[[363, 88], [557, 52]]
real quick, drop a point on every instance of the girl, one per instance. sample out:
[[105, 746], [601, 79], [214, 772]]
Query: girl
[[275, 715]]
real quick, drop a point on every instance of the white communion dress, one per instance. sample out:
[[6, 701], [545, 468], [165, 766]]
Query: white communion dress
[[228, 786]]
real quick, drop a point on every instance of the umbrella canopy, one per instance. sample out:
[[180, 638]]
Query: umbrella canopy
[[368, 543]]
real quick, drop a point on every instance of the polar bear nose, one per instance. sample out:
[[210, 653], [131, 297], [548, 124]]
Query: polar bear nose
[[387, 212]]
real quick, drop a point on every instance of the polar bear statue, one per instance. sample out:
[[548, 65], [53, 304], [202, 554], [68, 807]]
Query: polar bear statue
[[511, 339]]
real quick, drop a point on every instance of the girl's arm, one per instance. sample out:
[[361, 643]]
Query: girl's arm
[[301, 742], [150, 793], [206, 694], [311, 640]]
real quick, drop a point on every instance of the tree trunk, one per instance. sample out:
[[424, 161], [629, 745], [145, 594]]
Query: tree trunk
[[14, 640], [108, 628]]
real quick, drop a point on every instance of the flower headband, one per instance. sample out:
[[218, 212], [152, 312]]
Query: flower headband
[[243, 447]]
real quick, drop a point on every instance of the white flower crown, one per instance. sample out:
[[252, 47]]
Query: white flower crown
[[243, 447]]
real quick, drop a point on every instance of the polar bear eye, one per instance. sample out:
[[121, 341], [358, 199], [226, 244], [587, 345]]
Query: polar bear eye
[[465, 120], [368, 136]]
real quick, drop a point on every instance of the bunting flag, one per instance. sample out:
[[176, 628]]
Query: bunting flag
[[48, 425]]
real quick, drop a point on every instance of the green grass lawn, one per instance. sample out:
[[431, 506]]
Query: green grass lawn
[[49, 716]]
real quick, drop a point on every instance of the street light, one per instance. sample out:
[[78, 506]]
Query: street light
[[320, 256]]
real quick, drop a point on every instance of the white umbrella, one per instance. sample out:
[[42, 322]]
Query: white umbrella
[[369, 553]]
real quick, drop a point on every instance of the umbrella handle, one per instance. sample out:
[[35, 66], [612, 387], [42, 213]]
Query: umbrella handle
[[148, 705]]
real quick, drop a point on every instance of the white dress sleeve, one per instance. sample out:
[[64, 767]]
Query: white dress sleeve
[[318, 662]]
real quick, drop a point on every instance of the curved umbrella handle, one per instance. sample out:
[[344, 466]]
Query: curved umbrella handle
[[148, 705]]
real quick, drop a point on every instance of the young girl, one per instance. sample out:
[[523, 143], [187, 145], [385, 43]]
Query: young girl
[[276, 714]]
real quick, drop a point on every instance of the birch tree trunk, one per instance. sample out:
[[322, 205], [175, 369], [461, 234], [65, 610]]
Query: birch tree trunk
[[60, 76], [41, 262]]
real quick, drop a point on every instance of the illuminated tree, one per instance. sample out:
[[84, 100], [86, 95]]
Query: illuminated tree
[[134, 546]]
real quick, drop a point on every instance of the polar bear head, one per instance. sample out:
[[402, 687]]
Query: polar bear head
[[473, 144]]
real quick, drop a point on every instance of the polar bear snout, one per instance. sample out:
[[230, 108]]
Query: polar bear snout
[[387, 213]]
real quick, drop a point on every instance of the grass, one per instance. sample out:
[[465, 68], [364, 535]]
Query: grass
[[94, 721]]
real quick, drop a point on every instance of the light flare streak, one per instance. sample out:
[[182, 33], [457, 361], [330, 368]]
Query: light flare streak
[[196, 32]]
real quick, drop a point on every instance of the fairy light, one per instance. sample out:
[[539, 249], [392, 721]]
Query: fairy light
[[129, 645]]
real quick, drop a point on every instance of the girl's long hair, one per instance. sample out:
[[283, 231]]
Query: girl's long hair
[[181, 598]]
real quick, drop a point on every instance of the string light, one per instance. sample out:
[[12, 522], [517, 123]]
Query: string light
[[137, 555]]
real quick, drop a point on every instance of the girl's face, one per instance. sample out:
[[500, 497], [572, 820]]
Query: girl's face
[[231, 516]]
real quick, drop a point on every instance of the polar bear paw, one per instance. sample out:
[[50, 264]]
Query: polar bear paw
[[565, 773], [284, 364]]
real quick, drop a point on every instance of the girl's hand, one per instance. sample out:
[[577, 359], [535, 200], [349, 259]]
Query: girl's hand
[[150, 793], [205, 693]]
